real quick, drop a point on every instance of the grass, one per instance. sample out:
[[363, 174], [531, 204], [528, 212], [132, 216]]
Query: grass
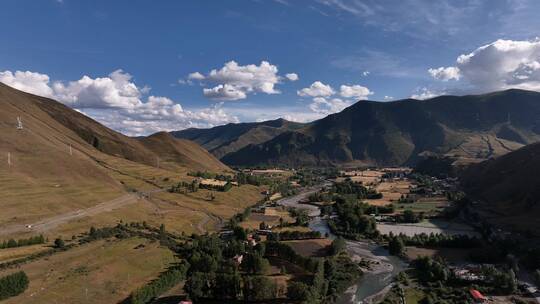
[[106, 271], [8, 254], [414, 296]]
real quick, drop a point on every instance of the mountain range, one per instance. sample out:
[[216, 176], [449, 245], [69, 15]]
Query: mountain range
[[468, 129], [226, 139]]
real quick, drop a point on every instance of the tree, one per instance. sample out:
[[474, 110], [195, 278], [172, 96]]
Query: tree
[[240, 233], [13, 284], [396, 246], [59, 243], [338, 245], [537, 277], [11, 243], [257, 288], [297, 291]]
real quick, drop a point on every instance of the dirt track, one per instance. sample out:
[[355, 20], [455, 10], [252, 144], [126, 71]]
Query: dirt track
[[52, 222]]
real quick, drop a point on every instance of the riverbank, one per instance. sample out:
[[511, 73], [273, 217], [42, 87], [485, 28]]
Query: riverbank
[[380, 268]]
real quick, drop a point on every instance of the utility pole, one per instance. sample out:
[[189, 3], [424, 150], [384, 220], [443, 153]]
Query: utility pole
[[19, 123], [9, 159], [70, 150]]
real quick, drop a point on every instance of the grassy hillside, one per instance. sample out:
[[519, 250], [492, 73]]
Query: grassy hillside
[[68, 172], [469, 128], [230, 138], [508, 188]]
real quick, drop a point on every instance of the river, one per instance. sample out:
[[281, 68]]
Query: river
[[375, 281]]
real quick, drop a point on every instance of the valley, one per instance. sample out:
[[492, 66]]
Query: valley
[[83, 203]]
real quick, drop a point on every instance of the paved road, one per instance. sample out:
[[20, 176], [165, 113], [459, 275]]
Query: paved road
[[54, 221]]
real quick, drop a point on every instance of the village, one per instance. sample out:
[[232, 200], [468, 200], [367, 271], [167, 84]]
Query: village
[[399, 191]]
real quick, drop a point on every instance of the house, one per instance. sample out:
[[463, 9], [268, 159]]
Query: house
[[477, 296]]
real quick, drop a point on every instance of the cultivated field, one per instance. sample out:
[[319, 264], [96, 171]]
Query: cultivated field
[[99, 272], [431, 226], [271, 217]]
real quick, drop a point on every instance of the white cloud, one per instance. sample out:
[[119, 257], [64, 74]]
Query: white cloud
[[502, 64], [355, 91], [30, 82], [386, 97], [425, 93], [445, 74], [322, 104], [118, 102], [196, 76], [326, 106], [365, 73], [291, 76], [224, 92], [317, 89], [236, 81]]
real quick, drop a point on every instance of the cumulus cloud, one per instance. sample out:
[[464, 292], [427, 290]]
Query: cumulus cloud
[[323, 103], [196, 76], [317, 89], [118, 102], [224, 92], [291, 76], [328, 106], [500, 65], [425, 93], [30, 82], [234, 81], [354, 91], [445, 74]]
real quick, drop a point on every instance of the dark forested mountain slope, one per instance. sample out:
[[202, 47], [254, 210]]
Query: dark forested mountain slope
[[230, 138], [469, 128], [508, 187]]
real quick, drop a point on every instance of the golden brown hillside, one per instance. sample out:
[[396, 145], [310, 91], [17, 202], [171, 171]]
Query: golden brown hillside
[[67, 172]]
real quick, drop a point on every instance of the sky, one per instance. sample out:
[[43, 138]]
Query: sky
[[145, 66]]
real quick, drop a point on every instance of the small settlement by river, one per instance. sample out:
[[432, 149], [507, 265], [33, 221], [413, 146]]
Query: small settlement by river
[[397, 196]]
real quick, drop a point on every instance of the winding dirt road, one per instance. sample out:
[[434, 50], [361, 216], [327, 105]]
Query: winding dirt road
[[53, 222]]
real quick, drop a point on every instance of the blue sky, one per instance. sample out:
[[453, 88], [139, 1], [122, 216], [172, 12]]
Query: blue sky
[[138, 55]]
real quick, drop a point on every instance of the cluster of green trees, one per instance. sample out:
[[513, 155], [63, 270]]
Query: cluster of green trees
[[249, 179], [301, 216], [356, 189], [283, 187], [405, 199], [352, 221], [502, 280], [331, 276], [409, 216], [11, 243], [294, 235], [184, 187], [155, 288], [444, 285], [216, 270], [321, 196], [13, 284], [387, 209]]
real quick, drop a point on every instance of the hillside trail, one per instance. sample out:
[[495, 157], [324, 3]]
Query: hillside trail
[[50, 223]]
